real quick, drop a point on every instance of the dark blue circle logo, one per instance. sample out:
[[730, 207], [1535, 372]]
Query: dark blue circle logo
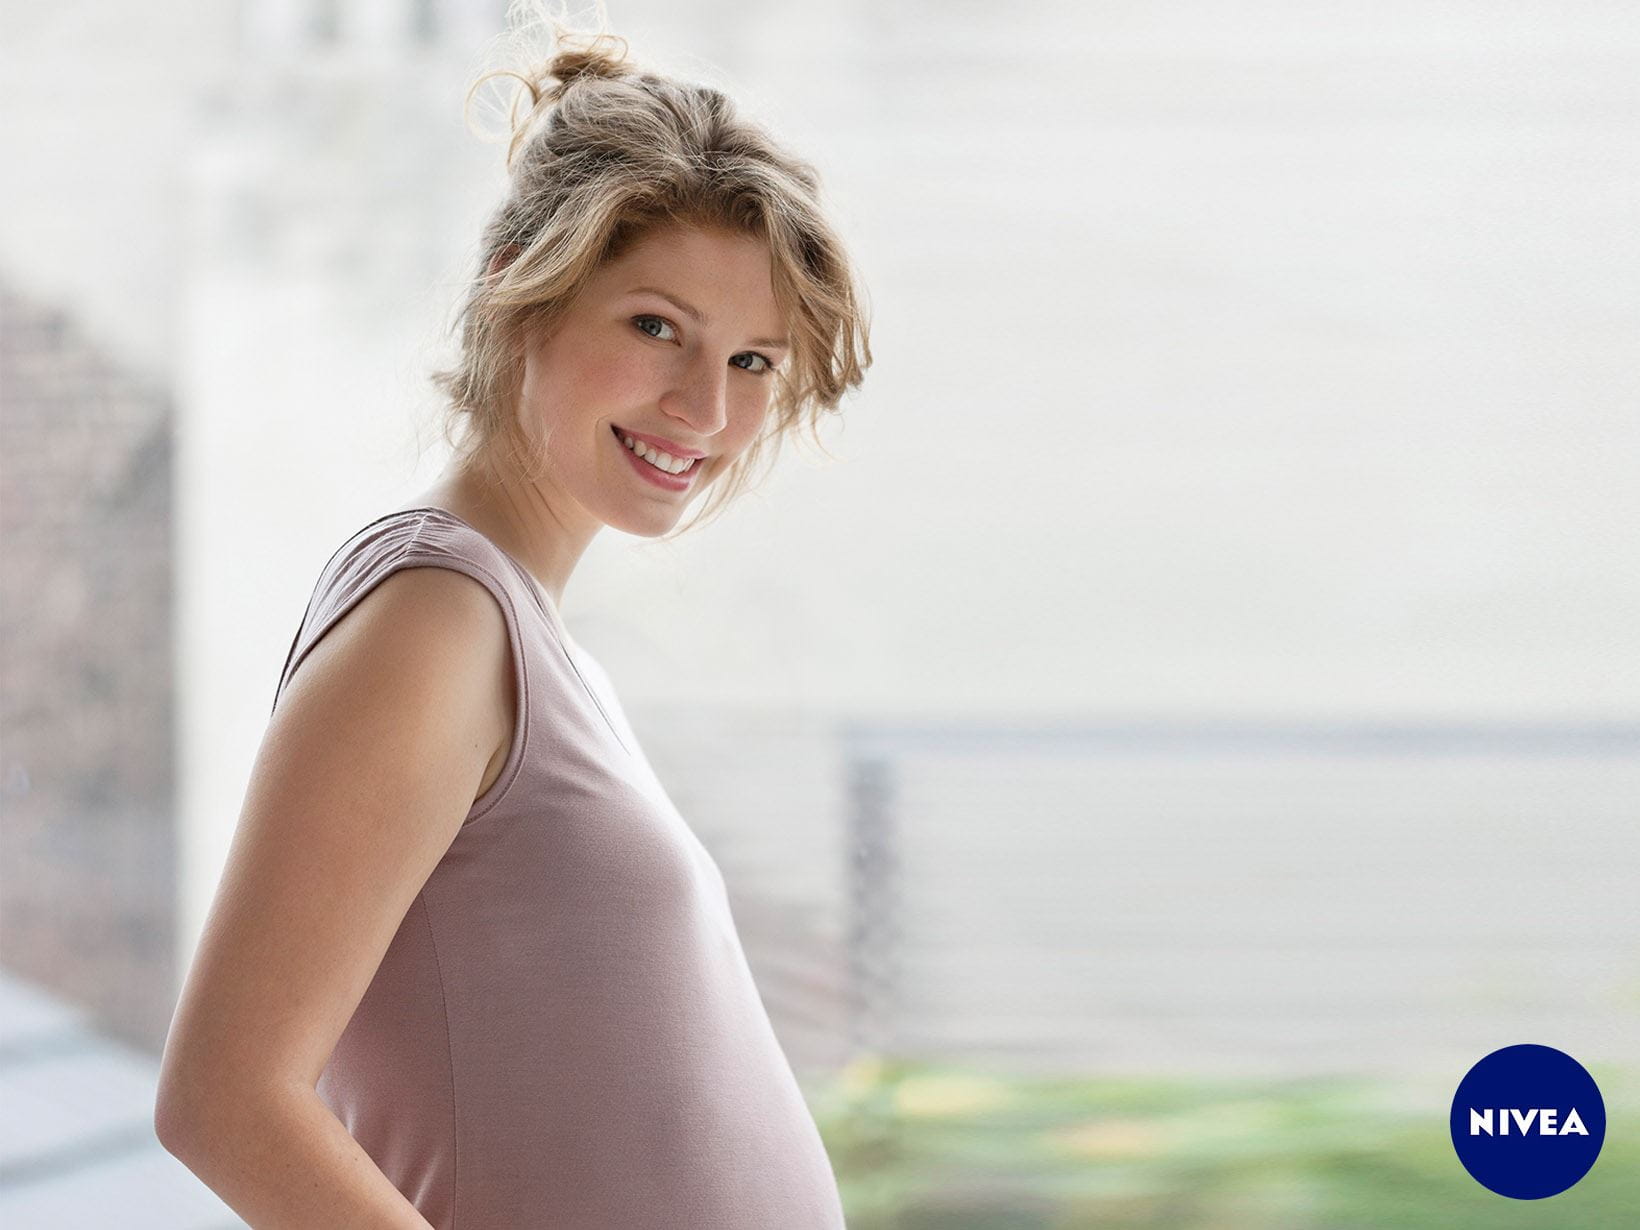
[[1528, 1121]]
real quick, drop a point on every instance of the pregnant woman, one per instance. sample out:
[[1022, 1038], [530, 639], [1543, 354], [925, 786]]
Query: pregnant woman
[[467, 966]]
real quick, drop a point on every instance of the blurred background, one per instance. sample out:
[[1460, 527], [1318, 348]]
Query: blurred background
[[1191, 716]]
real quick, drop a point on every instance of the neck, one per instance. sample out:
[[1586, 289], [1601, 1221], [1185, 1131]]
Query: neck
[[513, 512]]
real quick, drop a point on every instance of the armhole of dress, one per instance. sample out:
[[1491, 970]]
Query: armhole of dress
[[417, 555]]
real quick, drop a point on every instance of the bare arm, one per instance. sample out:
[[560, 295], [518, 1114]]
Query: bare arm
[[282, 1159], [369, 765]]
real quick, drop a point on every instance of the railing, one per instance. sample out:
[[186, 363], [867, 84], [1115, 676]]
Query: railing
[[1172, 897]]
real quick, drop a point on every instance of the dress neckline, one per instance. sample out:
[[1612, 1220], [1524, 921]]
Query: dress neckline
[[578, 657]]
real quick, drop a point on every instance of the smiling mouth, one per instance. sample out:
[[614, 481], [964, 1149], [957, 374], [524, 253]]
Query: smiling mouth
[[620, 437]]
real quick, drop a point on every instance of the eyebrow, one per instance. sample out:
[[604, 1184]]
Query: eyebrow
[[699, 318]]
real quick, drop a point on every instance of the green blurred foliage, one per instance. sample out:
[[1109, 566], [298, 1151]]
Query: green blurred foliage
[[921, 1147]]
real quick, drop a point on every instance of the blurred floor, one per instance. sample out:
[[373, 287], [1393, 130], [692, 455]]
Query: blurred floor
[[77, 1145]]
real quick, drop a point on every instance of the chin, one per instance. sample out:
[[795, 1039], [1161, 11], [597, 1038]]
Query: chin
[[645, 527]]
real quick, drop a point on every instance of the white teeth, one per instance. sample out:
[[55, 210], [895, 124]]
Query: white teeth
[[658, 459]]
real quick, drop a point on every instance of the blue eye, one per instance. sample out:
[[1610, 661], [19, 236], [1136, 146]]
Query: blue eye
[[768, 363], [637, 320]]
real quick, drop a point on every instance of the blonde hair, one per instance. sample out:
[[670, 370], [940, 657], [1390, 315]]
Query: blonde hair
[[607, 151]]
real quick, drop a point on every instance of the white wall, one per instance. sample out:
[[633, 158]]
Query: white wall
[[1331, 309]]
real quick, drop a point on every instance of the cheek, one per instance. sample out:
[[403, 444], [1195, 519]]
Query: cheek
[[749, 402], [754, 420], [619, 379], [591, 378]]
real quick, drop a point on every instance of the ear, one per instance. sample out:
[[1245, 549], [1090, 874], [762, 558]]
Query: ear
[[504, 256]]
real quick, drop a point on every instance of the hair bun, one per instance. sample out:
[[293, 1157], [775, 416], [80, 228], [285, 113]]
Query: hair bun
[[581, 56]]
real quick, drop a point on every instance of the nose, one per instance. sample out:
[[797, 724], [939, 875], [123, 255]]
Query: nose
[[702, 399]]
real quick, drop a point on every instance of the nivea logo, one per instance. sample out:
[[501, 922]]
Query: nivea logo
[[1480, 1122], [1528, 1121]]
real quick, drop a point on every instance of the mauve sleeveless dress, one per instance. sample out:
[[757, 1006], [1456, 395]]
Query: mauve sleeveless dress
[[564, 1032]]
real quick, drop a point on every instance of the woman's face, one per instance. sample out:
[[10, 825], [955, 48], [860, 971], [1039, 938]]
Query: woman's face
[[674, 341]]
